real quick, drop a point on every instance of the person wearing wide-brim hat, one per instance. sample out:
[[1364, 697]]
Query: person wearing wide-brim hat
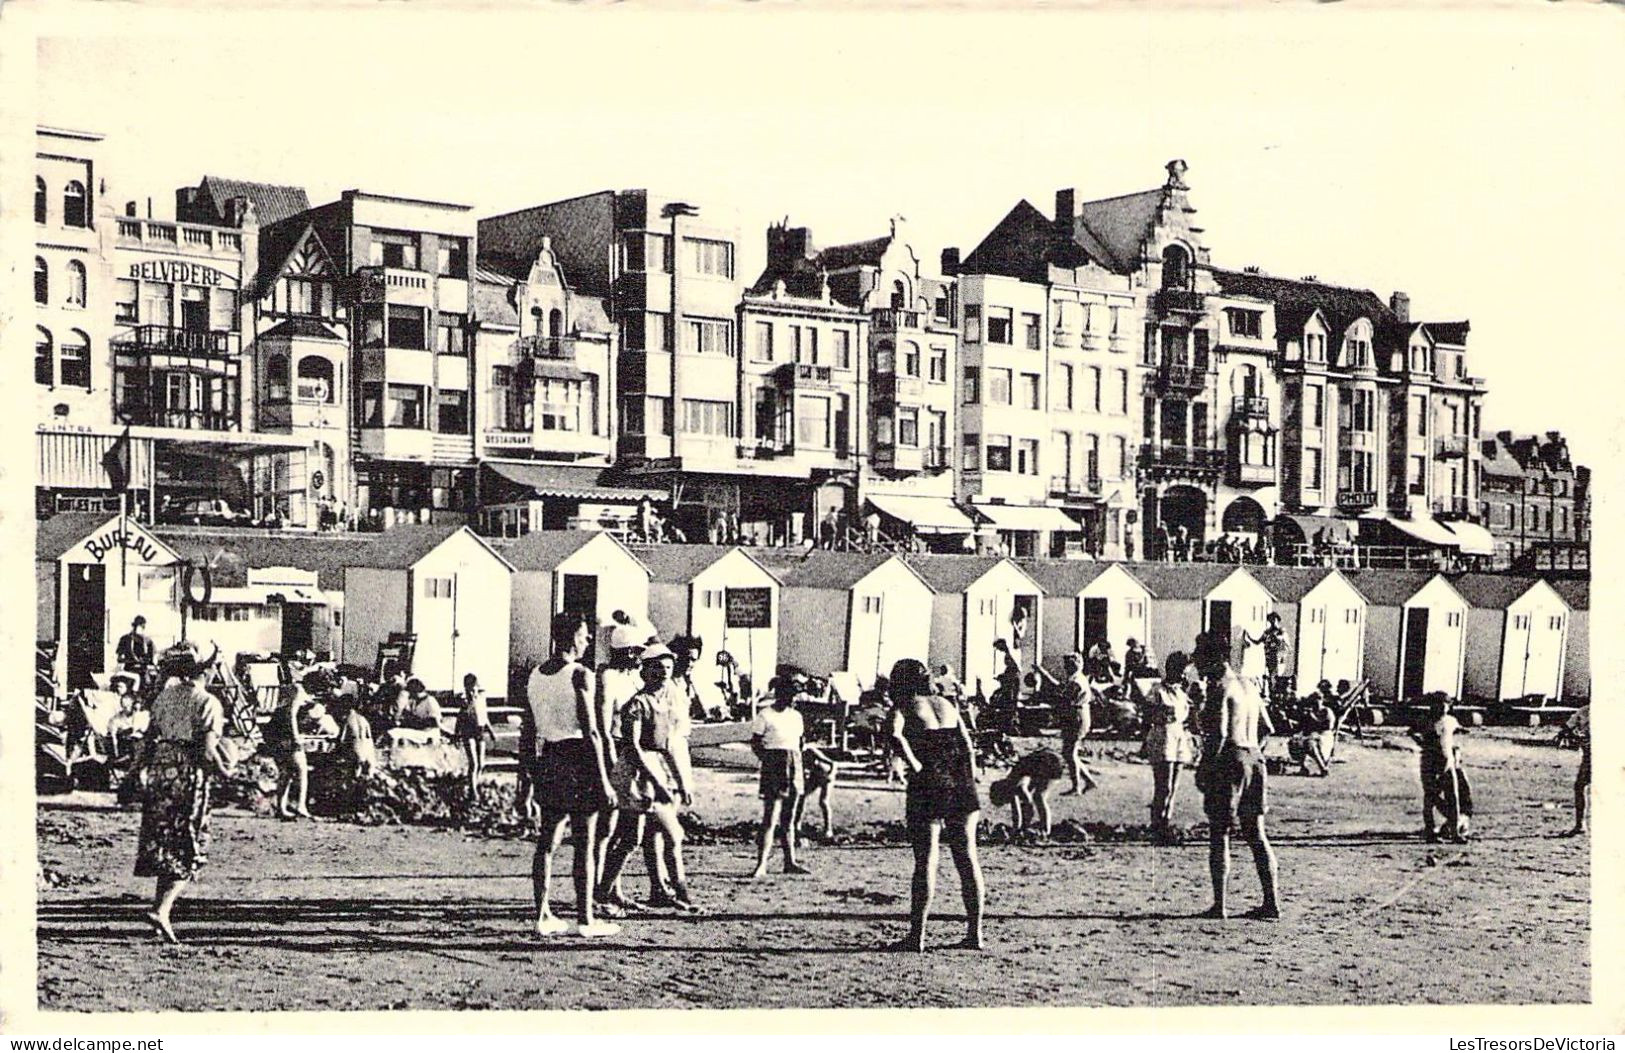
[[649, 782], [181, 751]]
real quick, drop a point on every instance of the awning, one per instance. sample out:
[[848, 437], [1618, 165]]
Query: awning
[[556, 370], [266, 595], [1475, 540], [1027, 517], [937, 515], [565, 480], [1423, 528], [1336, 529]]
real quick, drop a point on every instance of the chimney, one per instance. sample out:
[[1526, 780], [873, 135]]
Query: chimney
[[950, 262], [1400, 304], [1505, 437], [786, 245], [1066, 210], [130, 209]]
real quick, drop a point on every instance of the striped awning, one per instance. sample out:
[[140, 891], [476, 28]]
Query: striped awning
[[73, 461]]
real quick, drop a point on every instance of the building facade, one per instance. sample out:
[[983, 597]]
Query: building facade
[[1534, 501]]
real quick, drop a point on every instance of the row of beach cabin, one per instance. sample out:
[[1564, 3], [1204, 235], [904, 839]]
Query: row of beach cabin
[[484, 606]]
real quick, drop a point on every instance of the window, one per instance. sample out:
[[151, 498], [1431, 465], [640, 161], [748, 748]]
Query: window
[[712, 258], [126, 294], [42, 281], [453, 257], [871, 604], [370, 322], [1419, 468], [76, 360], [407, 328], [998, 453], [939, 365], [812, 422], [405, 406], [44, 359], [1117, 318], [999, 325], [276, 378], [306, 296], [908, 426], [437, 588], [1314, 406], [1122, 389], [973, 323], [223, 308], [41, 195], [707, 336], [1032, 323], [1175, 268], [1027, 457], [885, 357], [911, 358], [1060, 395], [1245, 323], [1421, 413], [372, 404], [451, 412], [703, 417], [1122, 457], [970, 452], [641, 251], [1312, 472], [1030, 391], [804, 344], [998, 387], [1093, 402], [315, 379], [941, 310], [841, 340], [74, 212], [973, 386], [392, 249], [1314, 347], [761, 344], [450, 337]]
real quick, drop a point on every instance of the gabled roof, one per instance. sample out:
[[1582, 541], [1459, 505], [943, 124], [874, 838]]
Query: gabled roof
[[231, 553], [1493, 592], [854, 254], [546, 549], [302, 327], [1182, 581], [681, 564], [1390, 588], [1065, 577], [819, 569], [1454, 333], [1290, 584], [272, 202], [1340, 305], [54, 536], [1120, 226], [954, 574], [1016, 247], [493, 298], [403, 546]]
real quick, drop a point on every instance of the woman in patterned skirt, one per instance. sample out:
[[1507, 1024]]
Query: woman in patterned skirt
[[183, 748]]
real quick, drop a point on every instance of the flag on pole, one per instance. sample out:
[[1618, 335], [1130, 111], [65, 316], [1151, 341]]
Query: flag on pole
[[116, 462]]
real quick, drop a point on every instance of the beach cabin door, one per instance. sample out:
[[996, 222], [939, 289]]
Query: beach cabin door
[[298, 624], [1545, 649], [1095, 621], [435, 620], [1218, 620], [1413, 679], [1311, 648], [87, 622], [579, 595]]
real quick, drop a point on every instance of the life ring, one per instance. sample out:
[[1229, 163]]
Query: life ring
[[189, 578]]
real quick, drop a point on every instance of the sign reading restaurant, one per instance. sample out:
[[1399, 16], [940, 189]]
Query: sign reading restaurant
[[183, 272]]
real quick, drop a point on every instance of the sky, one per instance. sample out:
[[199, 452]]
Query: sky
[[1468, 158]]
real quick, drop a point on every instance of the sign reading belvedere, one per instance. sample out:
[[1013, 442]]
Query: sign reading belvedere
[[181, 271]]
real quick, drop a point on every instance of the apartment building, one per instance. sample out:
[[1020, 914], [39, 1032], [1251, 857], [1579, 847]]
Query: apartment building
[[1533, 501], [404, 266], [666, 271]]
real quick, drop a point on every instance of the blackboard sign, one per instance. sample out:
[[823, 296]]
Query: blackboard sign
[[749, 608]]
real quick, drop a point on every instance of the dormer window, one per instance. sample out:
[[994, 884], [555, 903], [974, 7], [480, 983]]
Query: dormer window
[[1176, 268], [1314, 347]]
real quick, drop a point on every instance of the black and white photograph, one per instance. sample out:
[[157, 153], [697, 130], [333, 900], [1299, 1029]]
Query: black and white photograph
[[608, 507]]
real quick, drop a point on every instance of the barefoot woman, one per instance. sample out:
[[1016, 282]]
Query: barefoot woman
[[183, 748], [941, 798]]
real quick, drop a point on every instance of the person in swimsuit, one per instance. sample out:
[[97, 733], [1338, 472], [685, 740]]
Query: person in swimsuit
[[1073, 695], [571, 773], [1579, 729], [474, 730], [1026, 790], [818, 771], [941, 802], [1231, 774], [618, 681], [1167, 743], [777, 739], [1444, 784]]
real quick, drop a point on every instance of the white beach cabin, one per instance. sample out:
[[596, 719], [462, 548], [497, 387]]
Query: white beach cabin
[[570, 570], [1517, 631], [1086, 602], [722, 595], [1416, 634], [974, 603], [1189, 598], [855, 612]]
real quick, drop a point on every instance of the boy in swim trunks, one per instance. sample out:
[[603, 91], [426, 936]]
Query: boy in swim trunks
[[818, 770], [1026, 790], [1232, 775], [1579, 728]]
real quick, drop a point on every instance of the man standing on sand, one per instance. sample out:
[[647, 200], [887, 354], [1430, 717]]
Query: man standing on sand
[[1231, 775], [1579, 728]]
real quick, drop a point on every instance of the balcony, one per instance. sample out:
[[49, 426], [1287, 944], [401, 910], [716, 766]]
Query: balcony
[[550, 348], [794, 375], [1180, 377], [1450, 446], [1250, 407], [1179, 301], [169, 339], [1192, 461], [1074, 486], [892, 458], [1247, 473], [394, 285], [1455, 506], [892, 319], [1356, 500], [937, 458]]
